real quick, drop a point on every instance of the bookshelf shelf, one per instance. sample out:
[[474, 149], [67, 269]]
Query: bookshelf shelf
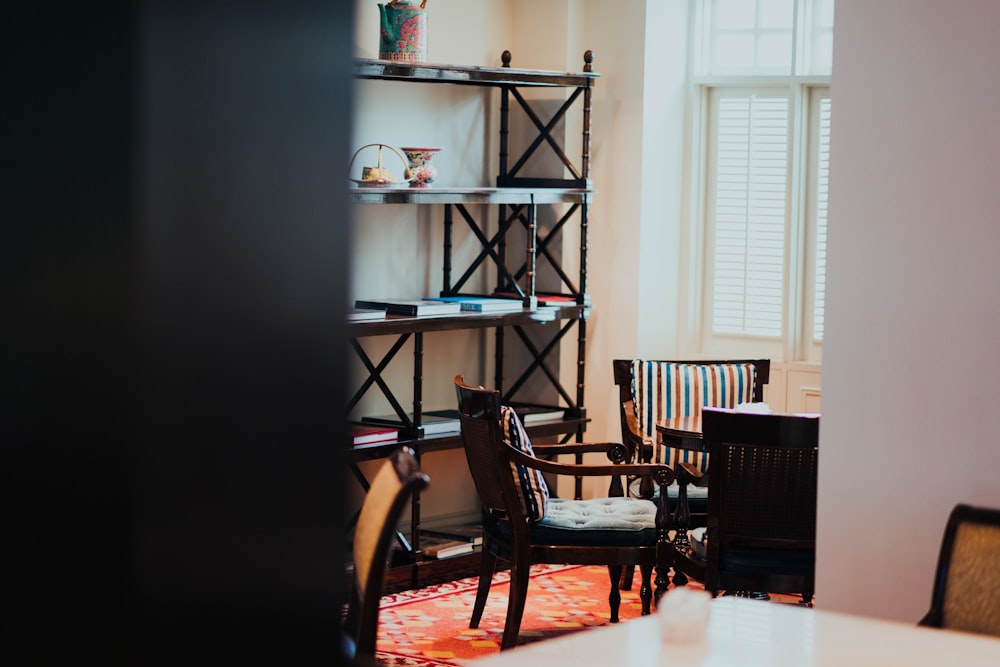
[[512, 204], [445, 441], [365, 68], [484, 195], [402, 324]]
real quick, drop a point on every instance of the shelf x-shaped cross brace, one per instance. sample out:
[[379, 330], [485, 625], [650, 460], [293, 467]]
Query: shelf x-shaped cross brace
[[375, 374], [539, 364], [489, 244], [542, 248], [545, 132]]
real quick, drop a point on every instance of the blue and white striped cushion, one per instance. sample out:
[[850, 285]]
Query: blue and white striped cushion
[[532, 489], [661, 390]]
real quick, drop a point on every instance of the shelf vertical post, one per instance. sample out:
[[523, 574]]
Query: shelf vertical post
[[583, 299], [504, 122], [446, 262], [418, 421], [415, 503], [498, 360], [588, 66], [418, 383], [530, 298], [502, 248]]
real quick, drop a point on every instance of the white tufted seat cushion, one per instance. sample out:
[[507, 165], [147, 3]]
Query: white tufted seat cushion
[[609, 521]]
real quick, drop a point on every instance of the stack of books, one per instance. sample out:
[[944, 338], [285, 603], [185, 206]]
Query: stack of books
[[482, 304], [434, 421], [451, 540], [410, 307], [556, 300]]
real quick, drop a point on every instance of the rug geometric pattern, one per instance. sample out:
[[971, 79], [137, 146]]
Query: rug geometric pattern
[[429, 627]]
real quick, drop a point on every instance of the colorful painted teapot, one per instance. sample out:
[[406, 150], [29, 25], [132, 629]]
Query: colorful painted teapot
[[403, 31]]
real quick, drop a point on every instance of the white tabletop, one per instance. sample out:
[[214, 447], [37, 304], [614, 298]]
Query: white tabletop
[[744, 632]]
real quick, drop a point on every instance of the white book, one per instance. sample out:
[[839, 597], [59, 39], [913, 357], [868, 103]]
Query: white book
[[438, 547]]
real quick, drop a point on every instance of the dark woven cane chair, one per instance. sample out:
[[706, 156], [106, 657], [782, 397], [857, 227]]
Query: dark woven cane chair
[[966, 592], [389, 493], [761, 526], [522, 525]]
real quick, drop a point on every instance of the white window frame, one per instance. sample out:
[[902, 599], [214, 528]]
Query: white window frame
[[810, 348], [796, 343]]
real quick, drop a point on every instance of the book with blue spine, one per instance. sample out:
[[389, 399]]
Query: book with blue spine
[[482, 304]]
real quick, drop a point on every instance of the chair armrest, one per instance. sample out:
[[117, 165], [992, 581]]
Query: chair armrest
[[663, 475], [616, 451], [642, 445], [688, 474]]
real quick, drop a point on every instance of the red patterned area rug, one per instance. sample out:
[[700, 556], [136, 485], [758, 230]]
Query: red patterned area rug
[[430, 626]]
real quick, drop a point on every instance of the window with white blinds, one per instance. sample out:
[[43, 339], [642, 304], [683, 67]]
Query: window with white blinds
[[748, 212], [761, 69]]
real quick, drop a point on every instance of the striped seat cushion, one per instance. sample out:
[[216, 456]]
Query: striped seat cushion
[[531, 486], [662, 389]]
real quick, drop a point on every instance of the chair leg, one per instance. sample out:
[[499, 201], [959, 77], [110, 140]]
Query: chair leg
[[646, 589], [615, 598], [519, 572], [487, 566], [627, 575]]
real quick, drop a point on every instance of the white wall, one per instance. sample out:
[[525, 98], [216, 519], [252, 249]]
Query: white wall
[[910, 358]]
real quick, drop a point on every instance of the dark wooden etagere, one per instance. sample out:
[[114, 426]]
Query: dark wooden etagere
[[515, 199]]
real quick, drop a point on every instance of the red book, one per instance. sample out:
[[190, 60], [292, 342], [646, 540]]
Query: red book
[[543, 299], [362, 434]]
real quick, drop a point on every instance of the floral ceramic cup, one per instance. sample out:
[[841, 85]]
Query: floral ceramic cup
[[422, 173]]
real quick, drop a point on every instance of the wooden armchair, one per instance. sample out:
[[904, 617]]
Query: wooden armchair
[[522, 525], [390, 491], [652, 390], [966, 594], [761, 524]]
